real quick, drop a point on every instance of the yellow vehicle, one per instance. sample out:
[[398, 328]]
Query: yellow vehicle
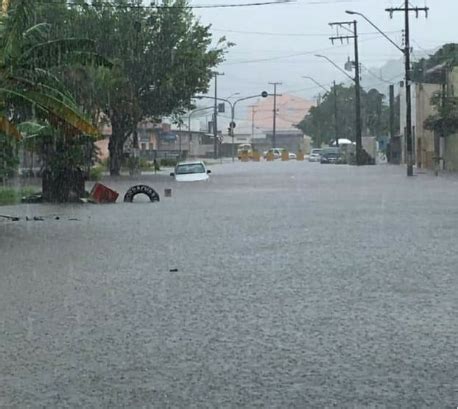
[[245, 150]]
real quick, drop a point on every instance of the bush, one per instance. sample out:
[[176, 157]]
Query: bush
[[96, 173], [145, 165], [168, 163], [10, 196]]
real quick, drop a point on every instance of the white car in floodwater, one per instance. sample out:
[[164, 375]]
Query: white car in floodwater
[[191, 172]]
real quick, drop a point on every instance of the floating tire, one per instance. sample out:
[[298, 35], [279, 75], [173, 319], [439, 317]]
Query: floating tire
[[141, 189]]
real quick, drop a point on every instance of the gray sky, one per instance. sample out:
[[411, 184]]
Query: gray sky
[[302, 30]]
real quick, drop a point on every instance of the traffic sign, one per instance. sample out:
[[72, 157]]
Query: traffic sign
[[264, 94], [232, 124]]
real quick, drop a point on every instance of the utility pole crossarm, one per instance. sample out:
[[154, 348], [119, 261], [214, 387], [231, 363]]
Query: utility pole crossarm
[[417, 10]]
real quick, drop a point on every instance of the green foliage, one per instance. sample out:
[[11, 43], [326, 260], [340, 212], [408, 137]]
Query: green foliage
[[445, 121], [8, 157], [28, 86], [145, 165], [168, 163], [319, 123], [10, 196], [432, 69], [162, 57], [96, 173]]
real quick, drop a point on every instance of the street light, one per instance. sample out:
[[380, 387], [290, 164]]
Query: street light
[[264, 94], [335, 65], [233, 95], [356, 13], [336, 124], [356, 80]]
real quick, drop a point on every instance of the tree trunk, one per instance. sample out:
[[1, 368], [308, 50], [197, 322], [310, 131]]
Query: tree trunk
[[63, 185], [119, 135], [116, 146]]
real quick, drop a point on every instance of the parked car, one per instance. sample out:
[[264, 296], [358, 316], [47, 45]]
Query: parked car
[[191, 172], [315, 155], [292, 156], [330, 156]]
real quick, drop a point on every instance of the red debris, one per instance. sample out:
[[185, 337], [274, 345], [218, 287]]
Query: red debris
[[103, 194]]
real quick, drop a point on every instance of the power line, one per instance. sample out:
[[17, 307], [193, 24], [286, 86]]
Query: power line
[[197, 6], [266, 33], [281, 57], [378, 77]]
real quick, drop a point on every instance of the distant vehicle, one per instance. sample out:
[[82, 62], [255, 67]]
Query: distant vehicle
[[343, 141], [292, 156], [191, 172], [315, 155], [330, 156], [244, 148], [276, 151]]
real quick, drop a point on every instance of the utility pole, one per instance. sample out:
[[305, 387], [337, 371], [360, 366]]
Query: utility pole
[[252, 119], [336, 118], [407, 9], [274, 129], [215, 116], [392, 125], [346, 25]]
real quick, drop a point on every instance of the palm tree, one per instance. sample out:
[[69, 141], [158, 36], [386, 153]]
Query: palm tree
[[29, 89], [27, 58]]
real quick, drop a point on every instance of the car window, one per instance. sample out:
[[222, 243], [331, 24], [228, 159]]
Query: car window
[[189, 169]]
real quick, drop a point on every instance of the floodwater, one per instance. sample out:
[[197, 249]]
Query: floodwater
[[293, 285]]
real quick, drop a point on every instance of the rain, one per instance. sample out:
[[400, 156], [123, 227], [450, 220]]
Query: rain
[[212, 205]]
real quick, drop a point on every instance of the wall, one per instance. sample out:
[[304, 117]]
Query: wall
[[424, 139], [451, 141]]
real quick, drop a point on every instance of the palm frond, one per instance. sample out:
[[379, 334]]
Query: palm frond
[[51, 53], [37, 33], [66, 113]]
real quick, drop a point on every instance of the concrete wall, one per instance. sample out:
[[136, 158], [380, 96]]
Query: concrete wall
[[451, 141], [451, 153], [424, 139]]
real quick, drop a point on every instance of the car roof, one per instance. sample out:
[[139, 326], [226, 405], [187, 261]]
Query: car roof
[[199, 162]]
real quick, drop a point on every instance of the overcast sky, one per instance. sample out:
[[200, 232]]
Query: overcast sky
[[278, 42]]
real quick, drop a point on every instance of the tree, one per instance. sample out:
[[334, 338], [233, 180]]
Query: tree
[[27, 85], [162, 57], [319, 123], [445, 121], [29, 88], [434, 70], [431, 70]]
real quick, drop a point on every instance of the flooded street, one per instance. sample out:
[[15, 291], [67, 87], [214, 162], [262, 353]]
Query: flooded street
[[272, 285]]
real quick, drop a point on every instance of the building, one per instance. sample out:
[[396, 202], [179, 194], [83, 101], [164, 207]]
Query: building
[[424, 138], [426, 141]]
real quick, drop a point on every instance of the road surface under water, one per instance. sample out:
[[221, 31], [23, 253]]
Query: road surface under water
[[298, 285]]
